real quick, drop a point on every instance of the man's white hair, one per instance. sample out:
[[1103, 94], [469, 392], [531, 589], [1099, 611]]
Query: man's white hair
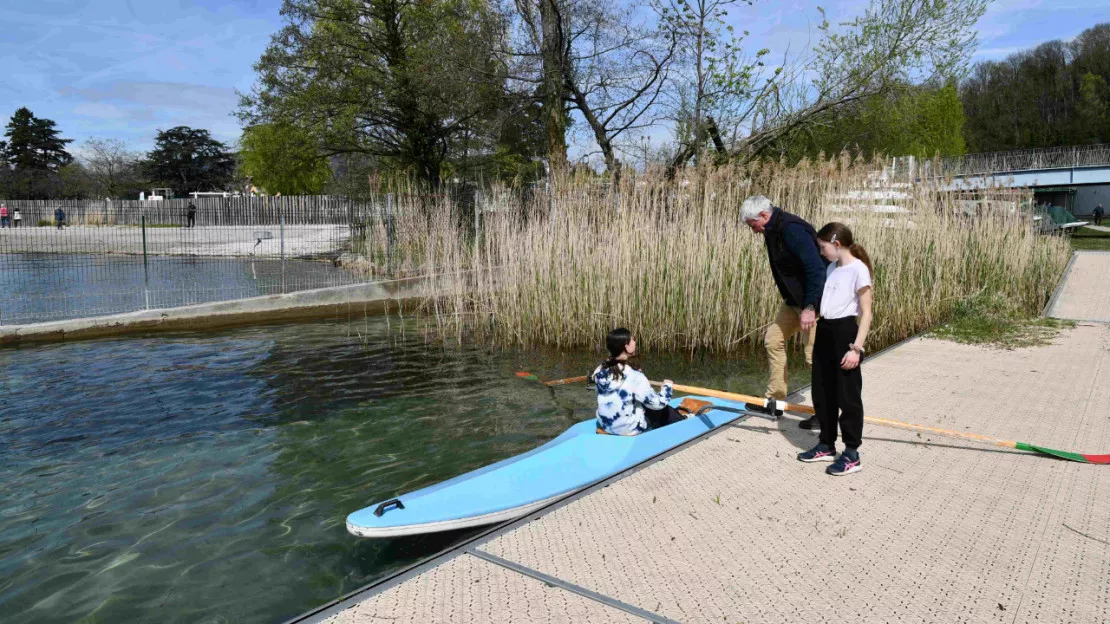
[[753, 206]]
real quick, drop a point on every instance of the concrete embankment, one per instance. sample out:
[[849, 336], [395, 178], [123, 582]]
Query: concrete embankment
[[342, 302]]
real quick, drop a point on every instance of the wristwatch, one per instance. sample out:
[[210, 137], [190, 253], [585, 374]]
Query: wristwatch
[[808, 308], [855, 347]]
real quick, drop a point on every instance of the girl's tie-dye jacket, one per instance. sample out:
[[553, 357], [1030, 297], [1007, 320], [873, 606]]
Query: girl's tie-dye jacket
[[621, 402]]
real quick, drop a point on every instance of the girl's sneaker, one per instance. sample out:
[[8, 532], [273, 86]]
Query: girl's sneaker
[[819, 453], [847, 463]]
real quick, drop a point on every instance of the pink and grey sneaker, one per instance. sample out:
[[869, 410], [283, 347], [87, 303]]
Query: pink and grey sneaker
[[819, 453], [846, 464]]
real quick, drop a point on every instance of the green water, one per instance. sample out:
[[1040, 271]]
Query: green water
[[206, 478]]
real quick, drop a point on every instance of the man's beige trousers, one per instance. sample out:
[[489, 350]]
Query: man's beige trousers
[[787, 323]]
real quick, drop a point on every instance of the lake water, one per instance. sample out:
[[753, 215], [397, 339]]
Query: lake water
[[49, 287], [206, 477]]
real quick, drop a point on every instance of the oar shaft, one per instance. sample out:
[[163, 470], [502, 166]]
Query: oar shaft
[[806, 409], [732, 396], [885, 422], [568, 380]]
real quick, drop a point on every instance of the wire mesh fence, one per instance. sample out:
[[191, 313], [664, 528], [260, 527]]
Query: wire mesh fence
[[69, 259], [1024, 160]]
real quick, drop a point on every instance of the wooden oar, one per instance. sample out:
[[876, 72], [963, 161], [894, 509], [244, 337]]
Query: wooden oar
[[885, 422], [556, 382]]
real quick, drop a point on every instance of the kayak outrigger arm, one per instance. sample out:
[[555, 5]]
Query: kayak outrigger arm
[[764, 411]]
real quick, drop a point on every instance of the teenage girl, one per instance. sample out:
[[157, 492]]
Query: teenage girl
[[838, 347], [626, 403]]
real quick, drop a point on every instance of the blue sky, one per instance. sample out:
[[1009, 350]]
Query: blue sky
[[126, 68]]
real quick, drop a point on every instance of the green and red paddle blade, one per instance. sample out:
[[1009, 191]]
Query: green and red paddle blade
[[527, 375], [1086, 458]]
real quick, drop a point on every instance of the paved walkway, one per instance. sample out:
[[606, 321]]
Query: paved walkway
[[1084, 293], [733, 529]]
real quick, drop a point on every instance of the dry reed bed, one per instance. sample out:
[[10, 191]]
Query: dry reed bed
[[674, 263]]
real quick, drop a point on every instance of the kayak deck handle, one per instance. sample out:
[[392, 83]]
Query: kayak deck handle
[[393, 501]]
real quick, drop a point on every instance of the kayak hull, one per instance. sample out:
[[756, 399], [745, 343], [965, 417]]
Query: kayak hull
[[519, 485]]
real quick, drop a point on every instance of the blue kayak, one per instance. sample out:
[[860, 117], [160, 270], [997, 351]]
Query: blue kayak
[[516, 486]]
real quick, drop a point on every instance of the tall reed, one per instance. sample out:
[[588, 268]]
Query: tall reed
[[673, 261]]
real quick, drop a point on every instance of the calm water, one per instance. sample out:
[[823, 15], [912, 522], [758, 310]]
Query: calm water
[[49, 287], [206, 478]]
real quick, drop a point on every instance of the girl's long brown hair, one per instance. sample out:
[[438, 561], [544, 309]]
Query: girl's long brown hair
[[836, 232]]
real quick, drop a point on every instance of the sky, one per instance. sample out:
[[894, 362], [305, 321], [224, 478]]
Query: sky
[[125, 69]]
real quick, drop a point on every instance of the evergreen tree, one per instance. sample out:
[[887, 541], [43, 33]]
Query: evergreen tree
[[187, 159], [35, 154]]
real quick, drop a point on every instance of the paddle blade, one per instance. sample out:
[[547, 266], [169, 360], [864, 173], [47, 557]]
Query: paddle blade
[[527, 375], [1079, 457]]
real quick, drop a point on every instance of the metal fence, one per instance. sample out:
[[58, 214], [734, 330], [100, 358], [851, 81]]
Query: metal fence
[[69, 259], [1023, 160]]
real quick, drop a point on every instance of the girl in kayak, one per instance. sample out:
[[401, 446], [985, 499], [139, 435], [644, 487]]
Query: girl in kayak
[[626, 403], [841, 331]]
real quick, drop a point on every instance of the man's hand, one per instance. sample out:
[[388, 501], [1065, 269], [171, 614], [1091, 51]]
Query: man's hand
[[809, 319]]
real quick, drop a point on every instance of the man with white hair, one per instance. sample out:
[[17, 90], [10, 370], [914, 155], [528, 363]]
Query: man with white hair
[[799, 272]]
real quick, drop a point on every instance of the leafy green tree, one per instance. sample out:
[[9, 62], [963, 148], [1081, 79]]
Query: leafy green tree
[[909, 120], [892, 44], [187, 159], [34, 153], [1052, 95], [1092, 109], [283, 159], [399, 82]]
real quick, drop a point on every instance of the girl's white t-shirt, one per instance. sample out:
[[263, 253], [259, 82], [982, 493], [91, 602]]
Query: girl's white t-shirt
[[842, 285]]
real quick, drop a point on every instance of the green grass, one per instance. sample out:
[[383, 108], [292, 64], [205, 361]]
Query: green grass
[[991, 321], [1086, 239]]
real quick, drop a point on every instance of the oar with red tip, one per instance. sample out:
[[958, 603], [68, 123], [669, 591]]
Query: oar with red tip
[[1087, 458]]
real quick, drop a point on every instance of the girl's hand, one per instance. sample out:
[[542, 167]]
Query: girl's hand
[[668, 382], [850, 361]]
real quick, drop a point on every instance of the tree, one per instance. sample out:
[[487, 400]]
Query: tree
[[894, 42], [1051, 95], [544, 38], [35, 153], [112, 169], [712, 72], [595, 57], [393, 80], [188, 159], [910, 120], [283, 159], [1092, 110]]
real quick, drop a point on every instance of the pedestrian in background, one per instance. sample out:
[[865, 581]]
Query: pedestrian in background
[[1098, 214], [191, 215], [60, 217], [17, 218], [4, 216]]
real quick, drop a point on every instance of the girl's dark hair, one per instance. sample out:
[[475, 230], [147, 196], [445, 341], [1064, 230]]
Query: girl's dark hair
[[615, 342], [839, 233]]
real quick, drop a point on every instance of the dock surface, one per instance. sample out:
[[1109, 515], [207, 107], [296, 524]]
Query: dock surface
[[732, 528], [1084, 293]]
